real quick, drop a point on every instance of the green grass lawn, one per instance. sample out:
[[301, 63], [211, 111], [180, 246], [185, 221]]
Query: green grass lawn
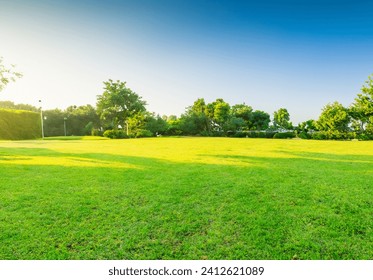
[[186, 198]]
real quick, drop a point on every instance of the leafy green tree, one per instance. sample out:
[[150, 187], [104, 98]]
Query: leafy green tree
[[156, 125], [195, 120], [118, 103], [7, 74], [219, 112], [334, 117], [307, 126], [234, 124], [54, 122], [243, 112], [281, 119], [361, 110], [81, 120], [259, 120], [173, 125], [192, 123], [136, 122]]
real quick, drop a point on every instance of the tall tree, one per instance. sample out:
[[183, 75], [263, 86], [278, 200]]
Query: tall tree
[[7, 74], [218, 112], [118, 103], [81, 120], [281, 119], [243, 112], [362, 109], [259, 120], [334, 117]]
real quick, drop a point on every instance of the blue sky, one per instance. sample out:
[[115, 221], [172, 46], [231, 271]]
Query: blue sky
[[269, 54]]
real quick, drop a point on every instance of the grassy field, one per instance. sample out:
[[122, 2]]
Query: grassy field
[[186, 198]]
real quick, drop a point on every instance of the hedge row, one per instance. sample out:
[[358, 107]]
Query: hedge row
[[19, 125], [120, 134], [261, 134]]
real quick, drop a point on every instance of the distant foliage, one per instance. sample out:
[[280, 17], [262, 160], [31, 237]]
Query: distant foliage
[[251, 134], [305, 135], [11, 105], [284, 135], [143, 133], [121, 113], [19, 125], [115, 134], [118, 103]]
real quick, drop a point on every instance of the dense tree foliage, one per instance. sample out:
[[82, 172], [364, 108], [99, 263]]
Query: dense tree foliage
[[361, 110], [82, 120], [118, 103], [281, 119], [122, 113], [334, 117]]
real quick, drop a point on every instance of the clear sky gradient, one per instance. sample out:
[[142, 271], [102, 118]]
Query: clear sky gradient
[[269, 54]]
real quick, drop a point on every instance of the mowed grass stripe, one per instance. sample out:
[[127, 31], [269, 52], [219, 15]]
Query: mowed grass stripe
[[186, 198]]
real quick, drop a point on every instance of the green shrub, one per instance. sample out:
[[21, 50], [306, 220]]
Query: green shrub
[[254, 134], [143, 133], [240, 134], [304, 135], [284, 135], [205, 133], [115, 134], [319, 135], [268, 134], [364, 136], [19, 124], [96, 132], [217, 133]]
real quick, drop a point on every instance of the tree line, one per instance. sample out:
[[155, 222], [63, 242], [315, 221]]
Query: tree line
[[121, 113]]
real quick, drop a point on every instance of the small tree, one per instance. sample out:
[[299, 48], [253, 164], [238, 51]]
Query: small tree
[[281, 119], [259, 120], [118, 103], [361, 110], [334, 117]]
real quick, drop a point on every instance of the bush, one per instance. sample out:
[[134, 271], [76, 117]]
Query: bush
[[253, 134], [304, 135], [364, 136], [333, 135], [240, 134], [143, 133], [205, 133], [217, 133], [284, 135], [319, 135], [96, 132], [115, 134], [19, 124], [268, 134]]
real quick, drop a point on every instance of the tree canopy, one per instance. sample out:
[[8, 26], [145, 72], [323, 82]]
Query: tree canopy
[[117, 103], [334, 117], [281, 119], [362, 109]]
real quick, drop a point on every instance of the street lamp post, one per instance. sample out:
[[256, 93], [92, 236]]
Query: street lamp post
[[64, 124], [42, 122]]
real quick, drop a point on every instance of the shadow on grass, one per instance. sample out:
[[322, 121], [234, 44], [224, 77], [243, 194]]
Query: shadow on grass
[[307, 206]]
